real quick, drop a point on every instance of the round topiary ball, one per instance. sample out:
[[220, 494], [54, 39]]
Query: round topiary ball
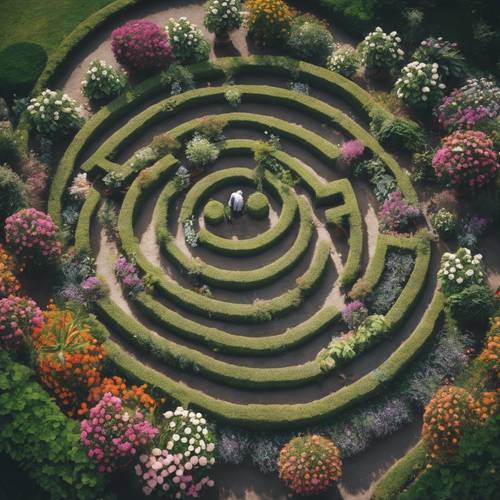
[[309, 464], [258, 206], [20, 67], [213, 212]]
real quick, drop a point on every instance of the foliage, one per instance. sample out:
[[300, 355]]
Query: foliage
[[200, 151], [258, 205], [269, 21], [164, 144], [179, 78], [54, 113], [18, 316], [33, 236], [233, 97], [34, 433], [21, 65], [183, 450], [472, 307], [113, 434], [352, 151], [113, 180], [102, 81], [69, 358], [36, 178], [128, 274], [478, 100], [354, 313], [383, 183], [222, 16], [460, 270], [143, 158], [212, 127], [419, 85], [9, 149], [187, 41], [12, 193], [396, 215], [182, 178], [9, 285], [446, 54], [190, 234], [444, 222], [141, 46], [380, 51], [310, 41], [310, 464], [214, 212], [466, 160], [470, 230], [233, 445], [344, 60], [299, 87], [80, 187]]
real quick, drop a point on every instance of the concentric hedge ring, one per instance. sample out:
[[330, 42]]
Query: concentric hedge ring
[[197, 324]]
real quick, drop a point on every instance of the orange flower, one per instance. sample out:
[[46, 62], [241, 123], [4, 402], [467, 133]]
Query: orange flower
[[9, 285]]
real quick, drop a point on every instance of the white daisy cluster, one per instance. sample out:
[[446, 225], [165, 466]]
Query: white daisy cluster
[[420, 85], [102, 81], [380, 50], [187, 41], [184, 453], [54, 112], [80, 187], [344, 60], [460, 270], [222, 16]]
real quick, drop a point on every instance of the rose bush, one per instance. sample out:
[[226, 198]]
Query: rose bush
[[187, 41]]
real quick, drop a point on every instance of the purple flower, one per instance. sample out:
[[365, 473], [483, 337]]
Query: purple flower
[[354, 313], [396, 215], [352, 151]]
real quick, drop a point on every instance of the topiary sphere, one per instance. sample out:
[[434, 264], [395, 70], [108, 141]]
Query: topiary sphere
[[213, 212], [310, 41], [20, 66], [258, 206], [309, 464]]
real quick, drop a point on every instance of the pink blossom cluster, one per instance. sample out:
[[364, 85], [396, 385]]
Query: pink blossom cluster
[[396, 214], [113, 434], [173, 473], [352, 151], [141, 46], [32, 234], [467, 160], [18, 315]]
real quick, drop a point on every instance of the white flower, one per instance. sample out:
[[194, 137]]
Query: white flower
[[451, 276], [460, 281], [469, 272]]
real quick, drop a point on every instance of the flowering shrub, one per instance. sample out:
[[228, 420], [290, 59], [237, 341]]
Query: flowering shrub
[[477, 100], [354, 313], [470, 231], [36, 178], [396, 214], [200, 151], [69, 358], [54, 113], [190, 234], [352, 151], [80, 187], [113, 180], [222, 16], [310, 41], [380, 51], [182, 178], [187, 41], [419, 85], [12, 192], [132, 396], [488, 404], [344, 60], [447, 416], [102, 81], [128, 274], [466, 159], [233, 97], [460, 270], [114, 434], [299, 87], [18, 316], [310, 464], [444, 222], [9, 285], [32, 235], [446, 54], [269, 21], [179, 461], [490, 355], [141, 46]]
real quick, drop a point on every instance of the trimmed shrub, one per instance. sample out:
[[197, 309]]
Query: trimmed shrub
[[102, 81], [258, 206], [12, 193], [444, 222], [344, 60], [269, 21], [141, 47], [213, 212], [310, 41], [20, 66], [460, 270], [187, 41], [309, 464], [380, 51], [472, 307], [9, 149], [212, 127], [223, 16], [200, 151]]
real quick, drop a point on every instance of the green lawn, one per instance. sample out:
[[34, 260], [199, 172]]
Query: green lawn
[[46, 22]]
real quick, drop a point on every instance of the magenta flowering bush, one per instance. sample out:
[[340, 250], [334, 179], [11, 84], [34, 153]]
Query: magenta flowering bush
[[477, 100], [113, 434], [18, 315], [32, 235], [466, 160], [354, 313], [396, 214], [352, 151], [128, 275], [141, 46]]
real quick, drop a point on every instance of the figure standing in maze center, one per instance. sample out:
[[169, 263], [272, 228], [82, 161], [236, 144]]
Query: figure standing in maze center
[[236, 202]]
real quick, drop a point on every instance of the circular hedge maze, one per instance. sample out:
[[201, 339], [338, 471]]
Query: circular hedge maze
[[252, 349]]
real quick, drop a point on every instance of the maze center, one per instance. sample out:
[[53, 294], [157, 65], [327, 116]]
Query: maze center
[[237, 325]]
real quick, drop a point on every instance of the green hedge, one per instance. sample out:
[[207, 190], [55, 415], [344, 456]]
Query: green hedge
[[41, 439], [258, 206], [213, 213]]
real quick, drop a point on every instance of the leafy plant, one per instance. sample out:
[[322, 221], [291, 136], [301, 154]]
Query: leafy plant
[[344, 60], [187, 41], [102, 81], [12, 193], [310, 41], [472, 307], [444, 222], [200, 151], [233, 97], [223, 16], [381, 51]]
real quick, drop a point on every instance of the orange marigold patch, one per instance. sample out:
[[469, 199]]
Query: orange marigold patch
[[9, 285]]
